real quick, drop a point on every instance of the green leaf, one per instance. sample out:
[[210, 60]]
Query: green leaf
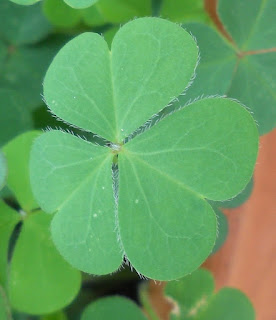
[[3, 169], [190, 294], [229, 304], [208, 128], [222, 231], [80, 4], [15, 117], [116, 308], [17, 153], [184, 10], [104, 11], [222, 70], [93, 16], [8, 220], [120, 11], [254, 84], [216, 65], [193, 298], [22, 25], [60, 315], [162, 224], [95, 83], [250, 22], [60, 14], [239, 199], [81, 191], [64, 16], [25, 2], [205, 150], [40, 280]]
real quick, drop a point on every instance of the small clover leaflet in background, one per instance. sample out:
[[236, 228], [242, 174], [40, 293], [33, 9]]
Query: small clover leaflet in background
[[79, 4], [102, 12], [115, 308], [240, 68], [194, 298], [161, 222], [32, 274]]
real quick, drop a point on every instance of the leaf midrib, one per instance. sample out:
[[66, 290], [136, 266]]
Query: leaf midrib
[[182, 185]]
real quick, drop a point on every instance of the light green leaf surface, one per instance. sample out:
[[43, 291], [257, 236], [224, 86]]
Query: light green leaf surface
[[3, 169], [17, 152], [105, 11], [222, 230], [15, 115], [60, 315], [120, 11], [194, 298], [212, 145], [8, 220], [78, 174], [250, 23], [184, 10], [60, 14], [185, 168], [161, 221], [80, 4], [115, 308], [64, 16], [95, 83], [22, 25], [25, 2], [93, 16], [40, 280]]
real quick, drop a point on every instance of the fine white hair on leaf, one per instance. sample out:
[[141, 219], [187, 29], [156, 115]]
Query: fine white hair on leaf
[[246, 107], [133, 269], [95, 135], [115, 186]]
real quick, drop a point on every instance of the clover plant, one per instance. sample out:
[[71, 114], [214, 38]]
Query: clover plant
[[155, 129], [184, 10], [194, 298], [152, 211], [73, 3], [36, 271], [239, 67], [116, 308], [103, 12]]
